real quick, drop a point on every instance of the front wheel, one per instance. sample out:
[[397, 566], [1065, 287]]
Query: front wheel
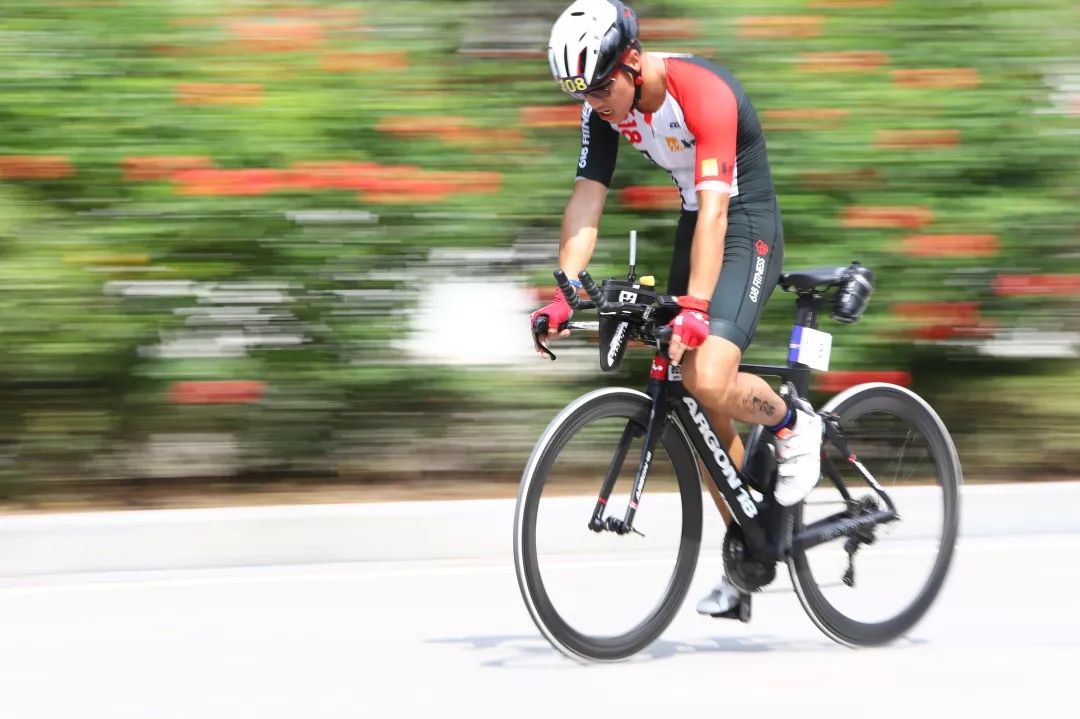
[[872, 587], [600, 596]]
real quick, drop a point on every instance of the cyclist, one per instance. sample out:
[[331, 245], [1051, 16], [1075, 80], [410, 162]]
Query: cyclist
[[693, 119]]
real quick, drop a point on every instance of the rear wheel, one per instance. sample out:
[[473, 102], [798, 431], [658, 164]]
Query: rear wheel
[[603, 596], [898, 567]]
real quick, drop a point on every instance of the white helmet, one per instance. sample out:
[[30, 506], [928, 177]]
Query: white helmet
[[588, 42]]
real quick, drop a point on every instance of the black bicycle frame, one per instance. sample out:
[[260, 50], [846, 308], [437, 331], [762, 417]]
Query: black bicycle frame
[[760, 520]]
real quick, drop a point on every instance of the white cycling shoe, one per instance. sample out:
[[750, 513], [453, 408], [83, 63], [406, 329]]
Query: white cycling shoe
[[798, 453], [726, 601]]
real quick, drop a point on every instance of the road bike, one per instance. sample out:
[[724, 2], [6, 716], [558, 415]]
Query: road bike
[[879, 440]]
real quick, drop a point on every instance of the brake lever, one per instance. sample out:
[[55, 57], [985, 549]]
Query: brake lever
[[540, 329]]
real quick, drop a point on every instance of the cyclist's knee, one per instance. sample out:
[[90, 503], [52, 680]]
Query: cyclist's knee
[[714, 369]]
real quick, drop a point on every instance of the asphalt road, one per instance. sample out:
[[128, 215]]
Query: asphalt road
[[421, 637]]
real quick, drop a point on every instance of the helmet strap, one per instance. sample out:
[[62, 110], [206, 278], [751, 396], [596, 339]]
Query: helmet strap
[[639, 82]]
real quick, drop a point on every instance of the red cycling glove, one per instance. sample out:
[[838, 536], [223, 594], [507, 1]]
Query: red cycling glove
[[692, 324], [558, 311]]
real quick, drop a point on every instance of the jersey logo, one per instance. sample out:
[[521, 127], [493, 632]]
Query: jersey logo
[[626, 127], [673, 144]]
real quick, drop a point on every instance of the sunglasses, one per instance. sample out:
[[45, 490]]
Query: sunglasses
[[601, 92]]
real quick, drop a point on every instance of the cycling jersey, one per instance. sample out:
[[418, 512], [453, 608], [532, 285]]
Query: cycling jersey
[[706, 134]]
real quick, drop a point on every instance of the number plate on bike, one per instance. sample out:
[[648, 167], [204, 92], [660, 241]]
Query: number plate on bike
[[810, 347]]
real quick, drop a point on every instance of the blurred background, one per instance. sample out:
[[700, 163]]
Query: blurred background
[[254, 249]]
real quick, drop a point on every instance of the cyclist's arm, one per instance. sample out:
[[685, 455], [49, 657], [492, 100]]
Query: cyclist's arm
[[581, 221], [707, 250], [712, 114]]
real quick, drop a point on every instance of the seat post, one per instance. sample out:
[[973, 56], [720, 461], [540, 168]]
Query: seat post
[[807, 307]]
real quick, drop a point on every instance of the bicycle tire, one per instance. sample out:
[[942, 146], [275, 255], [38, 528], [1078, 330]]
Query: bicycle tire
[[602, 404], [903, 403]]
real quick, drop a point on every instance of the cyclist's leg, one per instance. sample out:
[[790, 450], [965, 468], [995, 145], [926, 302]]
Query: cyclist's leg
[[726, 392], [753, 252], [678, 278], [753, 256]]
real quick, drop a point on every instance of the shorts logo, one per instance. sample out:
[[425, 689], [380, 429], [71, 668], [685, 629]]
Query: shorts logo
[[709, 167], [761, 247], [759, 277]]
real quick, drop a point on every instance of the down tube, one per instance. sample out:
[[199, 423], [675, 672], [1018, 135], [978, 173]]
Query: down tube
[[721, 470]]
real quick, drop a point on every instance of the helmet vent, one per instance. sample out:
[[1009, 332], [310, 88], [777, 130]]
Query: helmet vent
[[579, 13], [581, 61]]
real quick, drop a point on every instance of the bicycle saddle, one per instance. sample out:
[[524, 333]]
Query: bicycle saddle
[[807, 280]]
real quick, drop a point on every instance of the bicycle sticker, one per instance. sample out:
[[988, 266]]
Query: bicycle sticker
[[660, 368]]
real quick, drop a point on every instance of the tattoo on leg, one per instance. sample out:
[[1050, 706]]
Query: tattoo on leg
[[750, 402], [763, 406]]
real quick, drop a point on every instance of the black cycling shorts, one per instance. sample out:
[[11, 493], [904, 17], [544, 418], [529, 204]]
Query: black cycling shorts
[[753, 257]]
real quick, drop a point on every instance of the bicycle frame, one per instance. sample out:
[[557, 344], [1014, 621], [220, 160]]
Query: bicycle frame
[[761, 521]]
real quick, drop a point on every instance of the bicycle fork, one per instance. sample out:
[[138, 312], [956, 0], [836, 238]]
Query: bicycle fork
[[655, 427]]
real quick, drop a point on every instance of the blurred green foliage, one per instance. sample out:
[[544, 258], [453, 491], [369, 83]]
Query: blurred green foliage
[[246, 85]]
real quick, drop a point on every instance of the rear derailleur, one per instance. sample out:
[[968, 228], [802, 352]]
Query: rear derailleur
[[862, 535]]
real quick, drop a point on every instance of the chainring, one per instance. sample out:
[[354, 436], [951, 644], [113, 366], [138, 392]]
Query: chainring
[[745, 572]]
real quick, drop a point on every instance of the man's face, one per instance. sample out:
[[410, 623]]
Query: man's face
[[614, 101]]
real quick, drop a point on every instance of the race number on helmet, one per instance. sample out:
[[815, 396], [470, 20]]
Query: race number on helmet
[[588, 42]]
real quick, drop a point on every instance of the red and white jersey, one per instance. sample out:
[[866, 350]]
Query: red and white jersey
[[706, 134]]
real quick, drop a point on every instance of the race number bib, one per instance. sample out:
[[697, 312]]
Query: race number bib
[[810, 347]]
